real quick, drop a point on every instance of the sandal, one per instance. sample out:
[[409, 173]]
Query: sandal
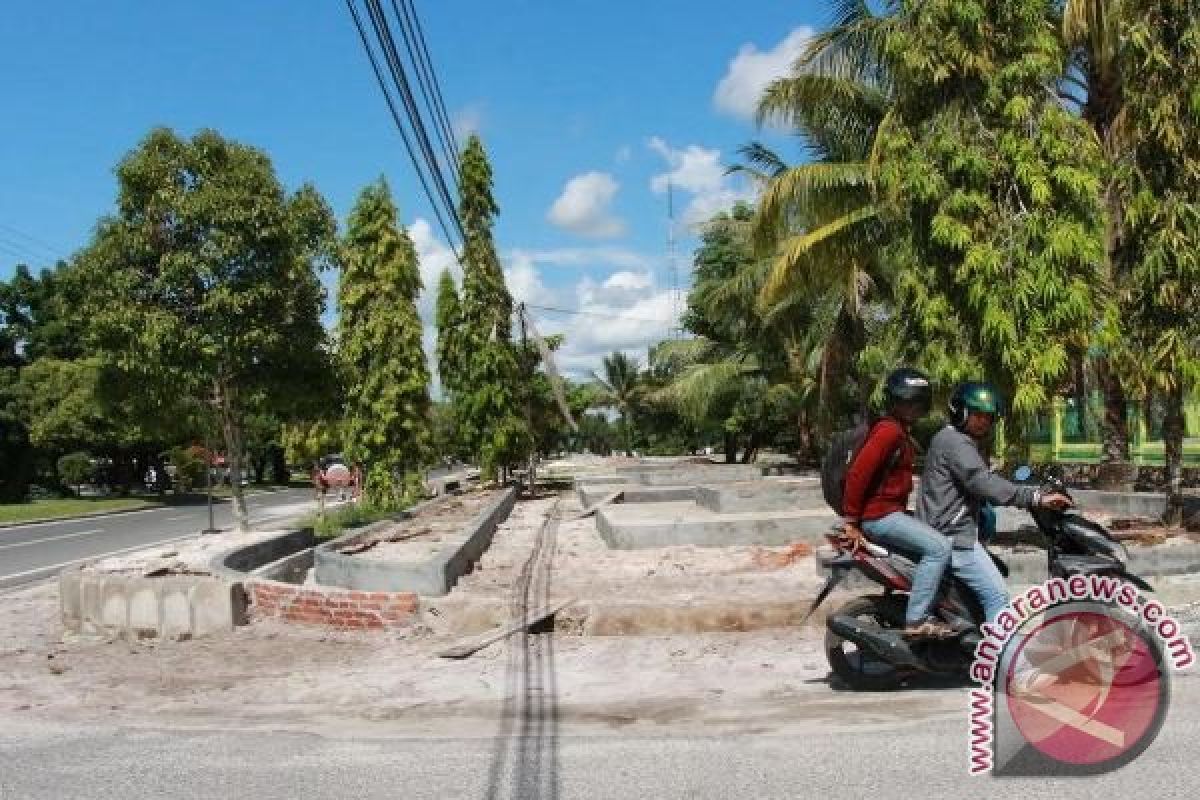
[[929, 628]]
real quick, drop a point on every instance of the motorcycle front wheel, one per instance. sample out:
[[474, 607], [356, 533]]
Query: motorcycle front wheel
[[855, 666]]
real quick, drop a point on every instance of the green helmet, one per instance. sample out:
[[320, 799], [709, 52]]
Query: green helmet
[[973, 396]]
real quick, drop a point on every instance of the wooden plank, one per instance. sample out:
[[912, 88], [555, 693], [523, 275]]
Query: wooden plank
[[477, 643], [611, 497]]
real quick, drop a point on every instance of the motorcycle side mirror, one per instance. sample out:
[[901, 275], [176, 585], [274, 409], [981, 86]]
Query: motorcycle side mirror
[[1022, 473]]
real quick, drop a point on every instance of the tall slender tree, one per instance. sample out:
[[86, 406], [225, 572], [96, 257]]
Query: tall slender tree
[[387, 403], [489, 406], [1160, 178], [448, 318]]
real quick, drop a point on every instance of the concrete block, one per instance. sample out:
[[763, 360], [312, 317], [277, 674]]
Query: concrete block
[[143, 607], [589, 495], [597, 480], [213, 607], [674, 524], [698, 476], [176, 612], [761, 495], [70, 594], [114, 604]]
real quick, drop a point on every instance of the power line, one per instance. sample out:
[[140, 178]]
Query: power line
[[437, 84], [41, 245], [392, 56], [418, 52], [362, 34], [598, 314]]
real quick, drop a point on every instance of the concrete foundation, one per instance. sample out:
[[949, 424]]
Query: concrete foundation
[[770, 494], [424, 567], [673, 524], [176, 606], [630, 493]]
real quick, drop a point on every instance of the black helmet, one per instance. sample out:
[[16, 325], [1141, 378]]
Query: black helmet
[[908, 386], [973, 396]]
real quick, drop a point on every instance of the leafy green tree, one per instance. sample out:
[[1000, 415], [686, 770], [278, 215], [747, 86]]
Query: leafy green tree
[[306, 441], [997, 187], [16, 452], [490, 403], [204, 283], [190, 465], [1159, 176], [76, 469], [449, 321], [387, 405]]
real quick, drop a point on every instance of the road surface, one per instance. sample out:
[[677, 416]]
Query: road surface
[[894, 758], [32, 552]]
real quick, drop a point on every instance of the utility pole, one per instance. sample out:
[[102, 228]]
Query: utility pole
[[208, 469], [528, 399]]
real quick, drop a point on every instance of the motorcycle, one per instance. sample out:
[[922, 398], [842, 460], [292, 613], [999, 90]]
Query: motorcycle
[[864, 643]]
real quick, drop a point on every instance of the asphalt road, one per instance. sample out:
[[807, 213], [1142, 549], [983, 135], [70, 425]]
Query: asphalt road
[[32, 552], [922, 758]]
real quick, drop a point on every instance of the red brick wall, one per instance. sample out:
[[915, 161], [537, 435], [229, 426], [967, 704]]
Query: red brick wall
[[339, 608]]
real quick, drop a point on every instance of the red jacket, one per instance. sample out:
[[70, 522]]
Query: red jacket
[[893, 488]]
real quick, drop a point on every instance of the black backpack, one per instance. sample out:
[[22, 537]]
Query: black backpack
[[843, 447]]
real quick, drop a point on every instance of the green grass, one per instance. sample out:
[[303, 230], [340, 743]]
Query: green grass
[[337, 521], [67, 507]]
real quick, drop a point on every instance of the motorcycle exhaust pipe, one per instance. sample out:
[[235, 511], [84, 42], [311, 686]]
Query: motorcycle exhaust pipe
[[887, 646]]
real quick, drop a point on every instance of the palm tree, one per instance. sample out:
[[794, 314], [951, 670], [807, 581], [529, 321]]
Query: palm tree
[[1090, 30], [621, 388], [819, 220], [737, 371]]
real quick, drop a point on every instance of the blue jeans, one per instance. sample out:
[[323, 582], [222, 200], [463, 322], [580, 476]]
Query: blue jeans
[[975, 568], [899, 531]]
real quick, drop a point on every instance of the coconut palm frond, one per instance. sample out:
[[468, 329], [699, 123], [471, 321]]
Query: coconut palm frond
[[794, 252]]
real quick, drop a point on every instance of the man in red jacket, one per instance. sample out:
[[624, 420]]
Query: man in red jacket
[[875, 497]]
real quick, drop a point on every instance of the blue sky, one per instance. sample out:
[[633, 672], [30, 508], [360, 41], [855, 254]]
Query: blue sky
[[584, 108]]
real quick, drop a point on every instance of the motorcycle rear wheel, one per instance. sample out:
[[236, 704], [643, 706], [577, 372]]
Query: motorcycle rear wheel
[[856, 667]]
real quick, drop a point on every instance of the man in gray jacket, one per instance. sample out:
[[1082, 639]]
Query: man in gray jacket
[[956, 483]]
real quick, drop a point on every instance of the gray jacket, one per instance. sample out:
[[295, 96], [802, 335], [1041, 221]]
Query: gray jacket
[[955, 484]]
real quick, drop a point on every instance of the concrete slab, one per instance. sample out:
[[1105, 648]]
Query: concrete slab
[[602, 480], [768, 494], [672, 524], [590, 495], [698, 476]]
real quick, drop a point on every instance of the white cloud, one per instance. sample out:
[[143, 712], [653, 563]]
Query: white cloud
[[584, 206], [467, 120], [588, 257], [434, 257], [698, 171], [625, 310], [752, 69]]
